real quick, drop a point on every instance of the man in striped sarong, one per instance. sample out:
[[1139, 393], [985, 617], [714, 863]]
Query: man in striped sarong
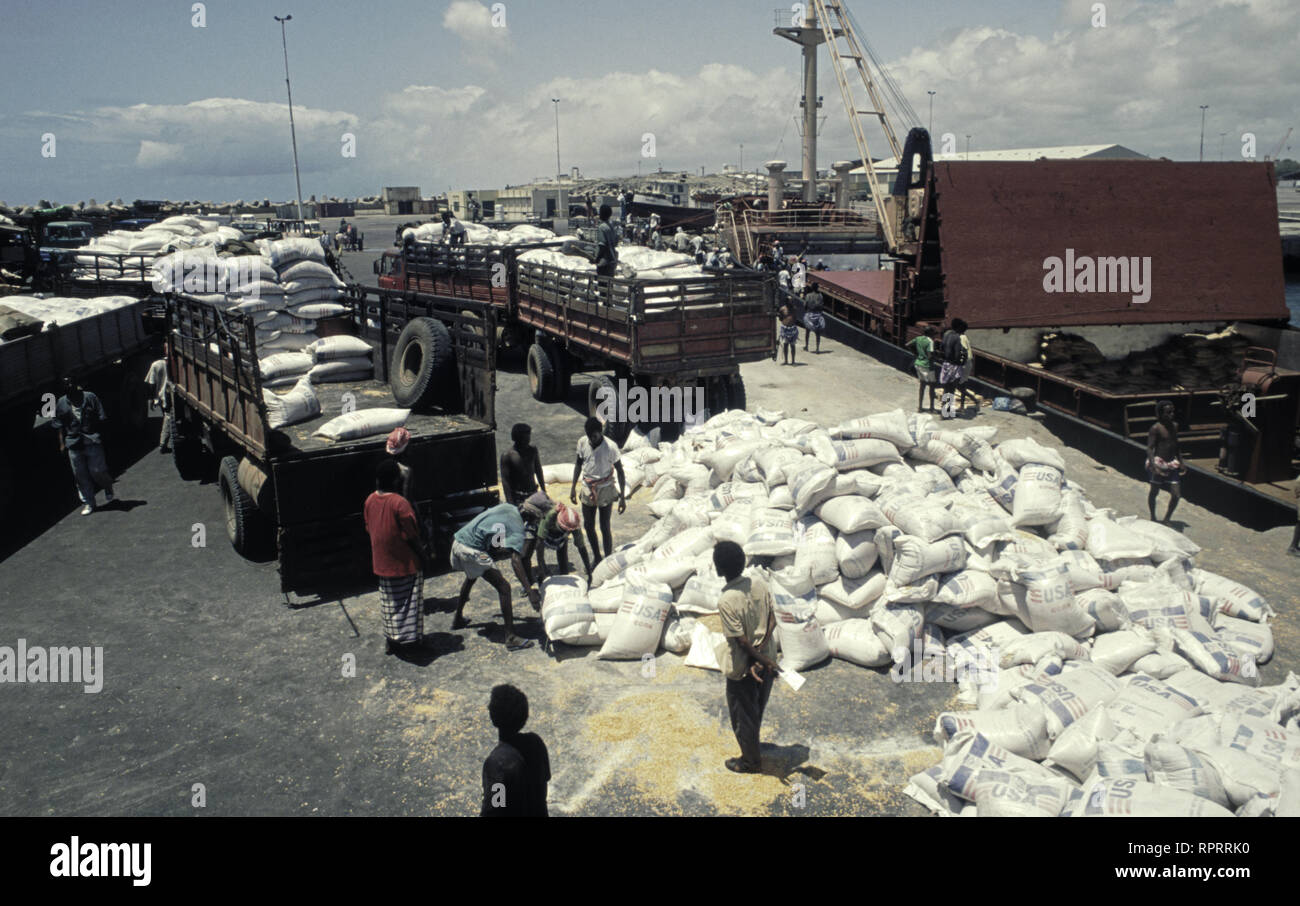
[[397, 553]]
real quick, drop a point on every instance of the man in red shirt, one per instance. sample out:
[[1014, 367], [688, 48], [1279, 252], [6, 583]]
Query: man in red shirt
[[397, 553]]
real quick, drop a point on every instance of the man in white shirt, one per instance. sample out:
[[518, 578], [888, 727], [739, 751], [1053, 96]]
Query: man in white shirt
[[597, 464], [157, 380], [453, 231]]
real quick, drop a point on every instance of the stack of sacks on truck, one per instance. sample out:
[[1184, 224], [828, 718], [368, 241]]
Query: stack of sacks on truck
[[102, 255], [634, 261], [1108, 673], [478, 234], [60, 310]]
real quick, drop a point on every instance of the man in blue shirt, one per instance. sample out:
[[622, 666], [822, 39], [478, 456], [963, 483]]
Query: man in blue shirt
[[494, 535], [78, 415]]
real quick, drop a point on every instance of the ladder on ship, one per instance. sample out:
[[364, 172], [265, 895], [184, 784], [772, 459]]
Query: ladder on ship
[[850, 56]]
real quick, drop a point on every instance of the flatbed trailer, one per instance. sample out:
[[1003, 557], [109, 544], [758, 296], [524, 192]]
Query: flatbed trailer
[[654, 333], [298, 496], [108, 352]]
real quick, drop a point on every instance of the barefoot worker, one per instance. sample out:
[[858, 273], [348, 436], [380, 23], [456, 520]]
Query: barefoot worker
[[597, 464], [1164, 464], [492, 536], [397, 556], [749, 624]]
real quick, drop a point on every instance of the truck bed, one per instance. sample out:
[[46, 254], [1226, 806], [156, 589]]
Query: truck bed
[[301, 439]]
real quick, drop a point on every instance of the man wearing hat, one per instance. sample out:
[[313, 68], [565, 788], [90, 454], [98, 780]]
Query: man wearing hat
[[555, 523], [398, 441]]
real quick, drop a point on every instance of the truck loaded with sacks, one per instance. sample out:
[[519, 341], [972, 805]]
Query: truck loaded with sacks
[[661, 323], [286, 389], [106, 343]]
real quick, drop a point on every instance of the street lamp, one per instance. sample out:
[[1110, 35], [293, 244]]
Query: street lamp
[[558, 171], [968, 146], [931, 94], [742, 157], [1221, 135], [293, 135], [1204, 107]]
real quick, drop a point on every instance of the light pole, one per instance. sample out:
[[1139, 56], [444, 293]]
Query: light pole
[[1221, 135], [558, 172], [968, 146], [1204, 107], [293, 135], [742, 157], [931, 94]]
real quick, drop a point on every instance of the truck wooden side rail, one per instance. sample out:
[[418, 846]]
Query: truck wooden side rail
[[295, 493], [689, 328], [653, 332]]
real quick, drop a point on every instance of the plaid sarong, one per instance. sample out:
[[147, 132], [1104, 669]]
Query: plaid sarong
[[401, 600]]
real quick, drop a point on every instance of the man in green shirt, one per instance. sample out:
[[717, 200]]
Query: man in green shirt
[[923, 347], [494, 535], [749, 624]]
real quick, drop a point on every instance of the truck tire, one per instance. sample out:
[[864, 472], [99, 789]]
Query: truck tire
[[736, 397], [133, 401], [246, 527], [541, 374], [422, 359], [716, 395], [187, 452], [593, 392]]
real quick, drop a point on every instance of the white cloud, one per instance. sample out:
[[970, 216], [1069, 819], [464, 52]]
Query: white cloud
[[472, 22]]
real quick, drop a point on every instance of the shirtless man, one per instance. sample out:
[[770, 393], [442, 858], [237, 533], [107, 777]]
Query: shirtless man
[[521, 467], [1164, 464]]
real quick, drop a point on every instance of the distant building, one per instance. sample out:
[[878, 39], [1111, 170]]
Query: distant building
[[400, 199]]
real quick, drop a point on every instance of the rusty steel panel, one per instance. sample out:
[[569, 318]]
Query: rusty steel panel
[[1204, 235], [870, 288]]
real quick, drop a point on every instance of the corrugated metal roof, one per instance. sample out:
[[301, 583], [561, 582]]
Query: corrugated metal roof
[[1209, 231]]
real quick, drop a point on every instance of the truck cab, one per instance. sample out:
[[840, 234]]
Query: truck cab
[[391, 271], [58, 237]]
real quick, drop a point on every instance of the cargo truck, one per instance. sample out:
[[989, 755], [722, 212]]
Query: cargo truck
[[294, 495], [652, 333]]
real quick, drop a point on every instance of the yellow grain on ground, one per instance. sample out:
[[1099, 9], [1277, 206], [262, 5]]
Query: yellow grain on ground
[[677, 747]]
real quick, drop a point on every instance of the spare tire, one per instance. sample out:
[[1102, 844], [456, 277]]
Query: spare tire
[[423, 360]]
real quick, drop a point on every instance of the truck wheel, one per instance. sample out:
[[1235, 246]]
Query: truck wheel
[[716, 397], [541, 374], [187, 451], [133, 401], [422, 359], [736, 398], [245, 525], [594, 393]]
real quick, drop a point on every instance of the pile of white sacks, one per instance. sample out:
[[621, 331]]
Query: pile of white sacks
[[61, 310], [286, 290], [1110, 675], [102, 256], [478, 234], [633, 261]]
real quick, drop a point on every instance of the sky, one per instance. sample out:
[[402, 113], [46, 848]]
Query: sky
[[132, 99]]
